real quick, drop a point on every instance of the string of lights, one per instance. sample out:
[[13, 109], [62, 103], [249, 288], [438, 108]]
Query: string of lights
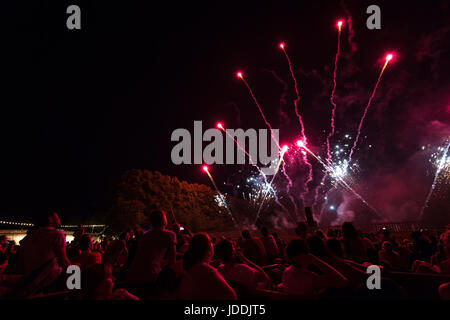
[[26, 224]]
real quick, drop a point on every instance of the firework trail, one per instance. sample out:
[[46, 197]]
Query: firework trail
[[206, 169], [253, 163], [220, 126], [333, 112], [283, 102], [240, 75], [441, 165], [300, 120], [388, 58], [339, 179], [283, 151]]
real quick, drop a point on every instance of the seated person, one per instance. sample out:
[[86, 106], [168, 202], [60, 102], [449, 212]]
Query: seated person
[[299, 280], [254, 249], [87, 258], [270, 245], [44, 244], [201, 281], [388, 254], [98, 285], [238, 269]]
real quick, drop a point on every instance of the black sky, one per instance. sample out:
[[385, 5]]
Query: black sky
[[81, 107]]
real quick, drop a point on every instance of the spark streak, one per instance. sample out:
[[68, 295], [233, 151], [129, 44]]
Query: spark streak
[[241, 76], [253, 163], [388, 58], [333, 111], [300, 119], [283, 151]]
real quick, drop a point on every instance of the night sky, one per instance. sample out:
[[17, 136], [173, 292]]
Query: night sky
[[80, 107]]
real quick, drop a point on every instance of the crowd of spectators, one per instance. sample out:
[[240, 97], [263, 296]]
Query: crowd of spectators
[[169, 262]]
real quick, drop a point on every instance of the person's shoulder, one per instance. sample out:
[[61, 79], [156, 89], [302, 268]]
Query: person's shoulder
[[123, 294], [170, 234], [242, 267], [207, 269], [55, 232]]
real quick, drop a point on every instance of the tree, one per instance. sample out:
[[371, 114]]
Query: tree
[[139, 192]]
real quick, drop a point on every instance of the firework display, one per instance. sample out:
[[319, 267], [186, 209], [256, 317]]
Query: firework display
[[222, 201], [338, 163], [331, 167], [440, 161]]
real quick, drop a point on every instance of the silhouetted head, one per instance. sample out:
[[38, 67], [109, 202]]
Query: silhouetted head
[[387, 246], [224, 250], [301, 229], [158, 219], [85, 242], [47, 218], [320, 234], [295, 248], [334, 245], [264, 231], [246, 234], [349, 231], [316, 247], [94, 279], [176, 228], [200, 250]]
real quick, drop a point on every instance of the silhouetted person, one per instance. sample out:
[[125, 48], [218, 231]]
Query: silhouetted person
[[87, 258], [254, 249], [354, 248], [299, 280], [44, 243], [155, 250], [270, 245], [201, 281], [238, 269]]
